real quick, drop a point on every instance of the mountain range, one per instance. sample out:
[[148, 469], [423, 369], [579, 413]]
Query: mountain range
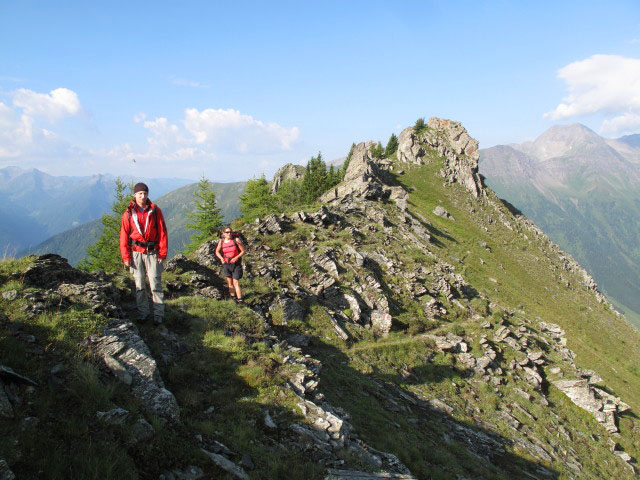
[[72, 244], [582, 190], [35, 205]]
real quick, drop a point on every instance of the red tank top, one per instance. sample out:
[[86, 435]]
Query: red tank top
[[229, 249]]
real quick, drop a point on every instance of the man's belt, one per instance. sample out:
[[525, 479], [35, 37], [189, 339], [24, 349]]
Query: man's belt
[[147, 245]]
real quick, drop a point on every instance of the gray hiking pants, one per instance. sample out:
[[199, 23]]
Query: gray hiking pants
[[146, 265]]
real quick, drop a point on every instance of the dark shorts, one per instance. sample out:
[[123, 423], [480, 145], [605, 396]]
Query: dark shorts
[[233, 270]]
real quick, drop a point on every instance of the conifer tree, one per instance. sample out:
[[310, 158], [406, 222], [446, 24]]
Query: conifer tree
[[392, 146], [377, 151], [206, 219], [104, 255], [256, 201], [314, 181]]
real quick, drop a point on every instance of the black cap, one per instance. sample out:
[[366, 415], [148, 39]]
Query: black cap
[[140, 187]]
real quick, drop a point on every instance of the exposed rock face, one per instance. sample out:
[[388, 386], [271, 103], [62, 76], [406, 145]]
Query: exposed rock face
[[127, 356], [453, 143], [603, 405], [287, 172], [366, 178]]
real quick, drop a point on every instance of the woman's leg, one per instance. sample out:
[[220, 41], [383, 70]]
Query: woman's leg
[[232, 291], [236, 286]]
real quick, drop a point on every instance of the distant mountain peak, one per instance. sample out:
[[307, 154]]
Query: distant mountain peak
[[560, 140]]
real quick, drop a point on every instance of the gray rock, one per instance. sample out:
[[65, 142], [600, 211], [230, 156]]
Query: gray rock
[[115, 416], [299, 340], [247, 462], [189, 473], [29, 423], [141, 431], [9, 376], [5, 471], [287, 172], [50, 270], [381, 323], [10, 295], [441, 212], [451, 142], [291, 310], [268, 421], [336, 474], [270, 225], [6, 408], [122, 343], [227, 465]]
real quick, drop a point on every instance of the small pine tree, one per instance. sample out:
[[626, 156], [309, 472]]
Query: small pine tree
[[377, 151], [420, 126], [206, 219], [104, 255], [256, 201], [314, 181], [392, 146], [289, 194], [345, 165]]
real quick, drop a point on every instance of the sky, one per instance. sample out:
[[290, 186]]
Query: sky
[[233, 90]]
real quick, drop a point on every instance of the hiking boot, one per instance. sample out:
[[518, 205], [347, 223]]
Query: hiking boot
[[157, 320], [239, 300], [142, 319]]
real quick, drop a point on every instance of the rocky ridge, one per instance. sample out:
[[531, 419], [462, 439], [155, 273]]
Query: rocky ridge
[[341, 264]]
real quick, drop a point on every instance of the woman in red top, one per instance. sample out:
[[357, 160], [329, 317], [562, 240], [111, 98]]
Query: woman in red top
[[230, 250]]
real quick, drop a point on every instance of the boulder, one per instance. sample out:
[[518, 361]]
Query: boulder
[[381, 323], [50, 270], [123, 352]]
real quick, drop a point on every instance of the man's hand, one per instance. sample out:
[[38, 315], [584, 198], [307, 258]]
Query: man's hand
[[127, 264], [160, 260]]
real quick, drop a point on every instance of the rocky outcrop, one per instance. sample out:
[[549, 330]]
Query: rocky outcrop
[[601, 404], [127, 357], [367, 178], [450, 141], [287, 172]]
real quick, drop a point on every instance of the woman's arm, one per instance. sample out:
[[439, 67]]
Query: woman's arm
[[218, 247]]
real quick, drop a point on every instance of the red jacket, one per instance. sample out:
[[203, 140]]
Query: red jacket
[[150, 227]]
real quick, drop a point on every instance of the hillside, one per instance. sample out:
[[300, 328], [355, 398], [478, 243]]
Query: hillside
[[411, 326], [580, 189], [72, 244]]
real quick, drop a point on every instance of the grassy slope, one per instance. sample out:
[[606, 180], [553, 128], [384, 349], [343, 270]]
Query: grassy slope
[[598, 229], [602, 341]]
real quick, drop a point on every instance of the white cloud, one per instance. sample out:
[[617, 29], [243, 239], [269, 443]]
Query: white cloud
[[230, 129], [621, 125], [20, 132], [605, 85], [57, 104]]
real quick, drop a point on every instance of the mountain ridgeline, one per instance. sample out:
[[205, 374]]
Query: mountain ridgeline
[[582, 190], [409, 325]]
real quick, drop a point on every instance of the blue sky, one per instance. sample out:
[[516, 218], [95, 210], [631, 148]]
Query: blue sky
[[234, 90]]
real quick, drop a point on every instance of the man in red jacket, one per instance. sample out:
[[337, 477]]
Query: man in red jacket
[[143, 245]]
